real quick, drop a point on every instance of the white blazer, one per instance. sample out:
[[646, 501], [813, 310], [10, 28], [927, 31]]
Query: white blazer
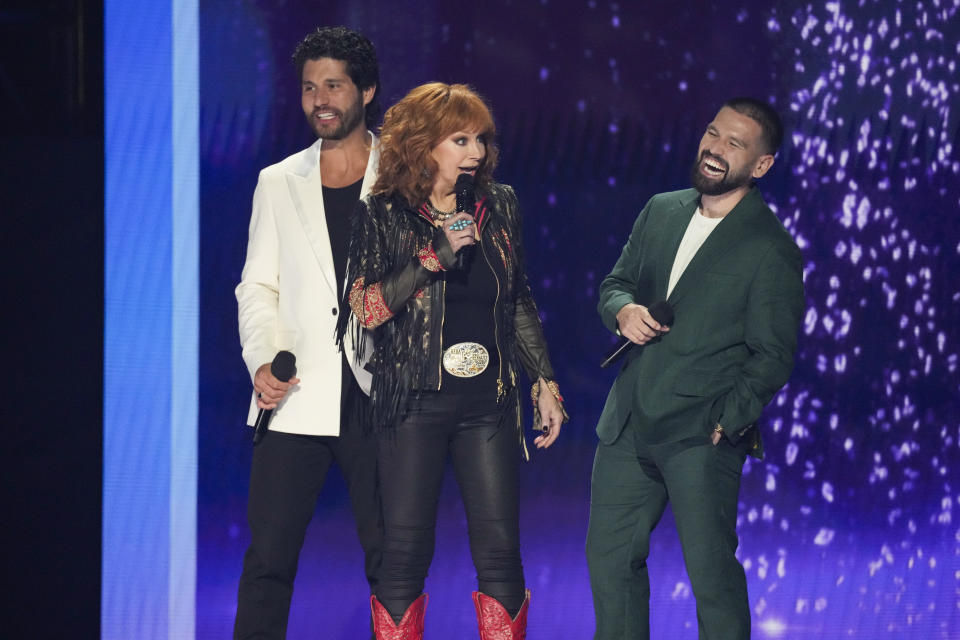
[[288, 297]]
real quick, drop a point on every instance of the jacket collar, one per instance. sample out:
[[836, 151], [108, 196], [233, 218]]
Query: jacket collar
[[480, 213], [676, 220], [306, 190], [734, 226]]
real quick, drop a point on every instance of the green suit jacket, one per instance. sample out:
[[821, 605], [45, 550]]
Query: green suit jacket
[[737, 309]]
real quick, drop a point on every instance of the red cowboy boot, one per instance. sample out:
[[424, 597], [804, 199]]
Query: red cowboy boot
[[494, 621], [410, 627]]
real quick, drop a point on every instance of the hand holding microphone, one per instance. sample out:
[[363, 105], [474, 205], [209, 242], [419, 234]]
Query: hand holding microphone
[[639, 325], [459, 231], [466, 201], [271, 383]]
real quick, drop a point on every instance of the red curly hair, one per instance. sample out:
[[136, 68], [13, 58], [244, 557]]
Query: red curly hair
[[417, 124]]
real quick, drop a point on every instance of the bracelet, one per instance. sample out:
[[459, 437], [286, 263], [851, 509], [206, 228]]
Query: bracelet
[[718, 428], [551, 385], [535, 396]]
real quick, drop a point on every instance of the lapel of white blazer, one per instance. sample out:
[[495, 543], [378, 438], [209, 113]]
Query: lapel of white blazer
[[306, 191], [373, 164]]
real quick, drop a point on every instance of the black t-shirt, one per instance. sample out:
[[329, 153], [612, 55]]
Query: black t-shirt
[[339, 205], [470, 297]]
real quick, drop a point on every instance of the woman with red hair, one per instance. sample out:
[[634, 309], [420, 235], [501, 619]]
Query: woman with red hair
[[445, 295]]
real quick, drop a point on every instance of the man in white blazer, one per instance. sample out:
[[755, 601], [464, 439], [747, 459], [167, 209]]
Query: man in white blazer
[[289, 299]]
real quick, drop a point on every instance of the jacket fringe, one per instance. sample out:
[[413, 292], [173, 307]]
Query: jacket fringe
[[386, 234]]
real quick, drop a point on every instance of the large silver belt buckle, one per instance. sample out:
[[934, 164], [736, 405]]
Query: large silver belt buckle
[[466, 359]]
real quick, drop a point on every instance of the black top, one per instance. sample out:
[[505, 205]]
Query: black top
[[339, 205], [470, 298]]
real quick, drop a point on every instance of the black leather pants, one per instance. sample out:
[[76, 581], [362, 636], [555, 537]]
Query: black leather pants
[[482, 444]]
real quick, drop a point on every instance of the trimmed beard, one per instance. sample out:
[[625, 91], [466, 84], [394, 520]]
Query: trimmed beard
[[729, 182], [350, 119]]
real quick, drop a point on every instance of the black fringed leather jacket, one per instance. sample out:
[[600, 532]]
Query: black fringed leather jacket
[[396, 265]]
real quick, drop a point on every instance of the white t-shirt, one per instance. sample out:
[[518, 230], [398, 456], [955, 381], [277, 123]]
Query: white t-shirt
[[696, 234]]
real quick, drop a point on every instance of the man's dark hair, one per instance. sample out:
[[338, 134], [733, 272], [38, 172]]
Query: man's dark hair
[[355, 50], [763, 114]]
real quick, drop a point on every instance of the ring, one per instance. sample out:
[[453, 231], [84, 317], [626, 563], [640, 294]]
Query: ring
[[460, 225], [259, 395]]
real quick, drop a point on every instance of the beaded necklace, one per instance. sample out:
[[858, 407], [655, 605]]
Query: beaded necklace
[[436, 214]]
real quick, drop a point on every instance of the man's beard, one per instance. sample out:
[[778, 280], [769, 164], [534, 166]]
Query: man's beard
[[349, 120], [729, 182]]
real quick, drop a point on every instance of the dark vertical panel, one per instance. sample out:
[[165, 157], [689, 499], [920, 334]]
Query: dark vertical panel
[[51, 202]]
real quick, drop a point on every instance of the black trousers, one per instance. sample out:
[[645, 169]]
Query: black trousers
[[287, 475], [483, 447]]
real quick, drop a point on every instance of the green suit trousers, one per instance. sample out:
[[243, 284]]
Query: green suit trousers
[[631, 485]]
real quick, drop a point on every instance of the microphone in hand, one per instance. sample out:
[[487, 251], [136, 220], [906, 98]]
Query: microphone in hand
[[660, 311], [283, 368], [466, 200]]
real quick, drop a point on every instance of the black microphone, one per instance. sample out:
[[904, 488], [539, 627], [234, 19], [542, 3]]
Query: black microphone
[[283, 367], [466, 199], [661, 311]]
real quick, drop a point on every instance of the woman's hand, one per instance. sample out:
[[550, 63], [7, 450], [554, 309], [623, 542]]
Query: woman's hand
[[551, 415], [459, 238]]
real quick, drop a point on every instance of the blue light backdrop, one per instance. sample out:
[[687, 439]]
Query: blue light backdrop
[[849, 527], [151, 290]]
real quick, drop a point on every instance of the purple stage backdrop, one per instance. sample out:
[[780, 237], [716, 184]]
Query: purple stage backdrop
[[849, 527]]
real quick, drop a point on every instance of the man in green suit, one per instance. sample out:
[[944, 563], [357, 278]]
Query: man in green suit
[[681, 416]]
